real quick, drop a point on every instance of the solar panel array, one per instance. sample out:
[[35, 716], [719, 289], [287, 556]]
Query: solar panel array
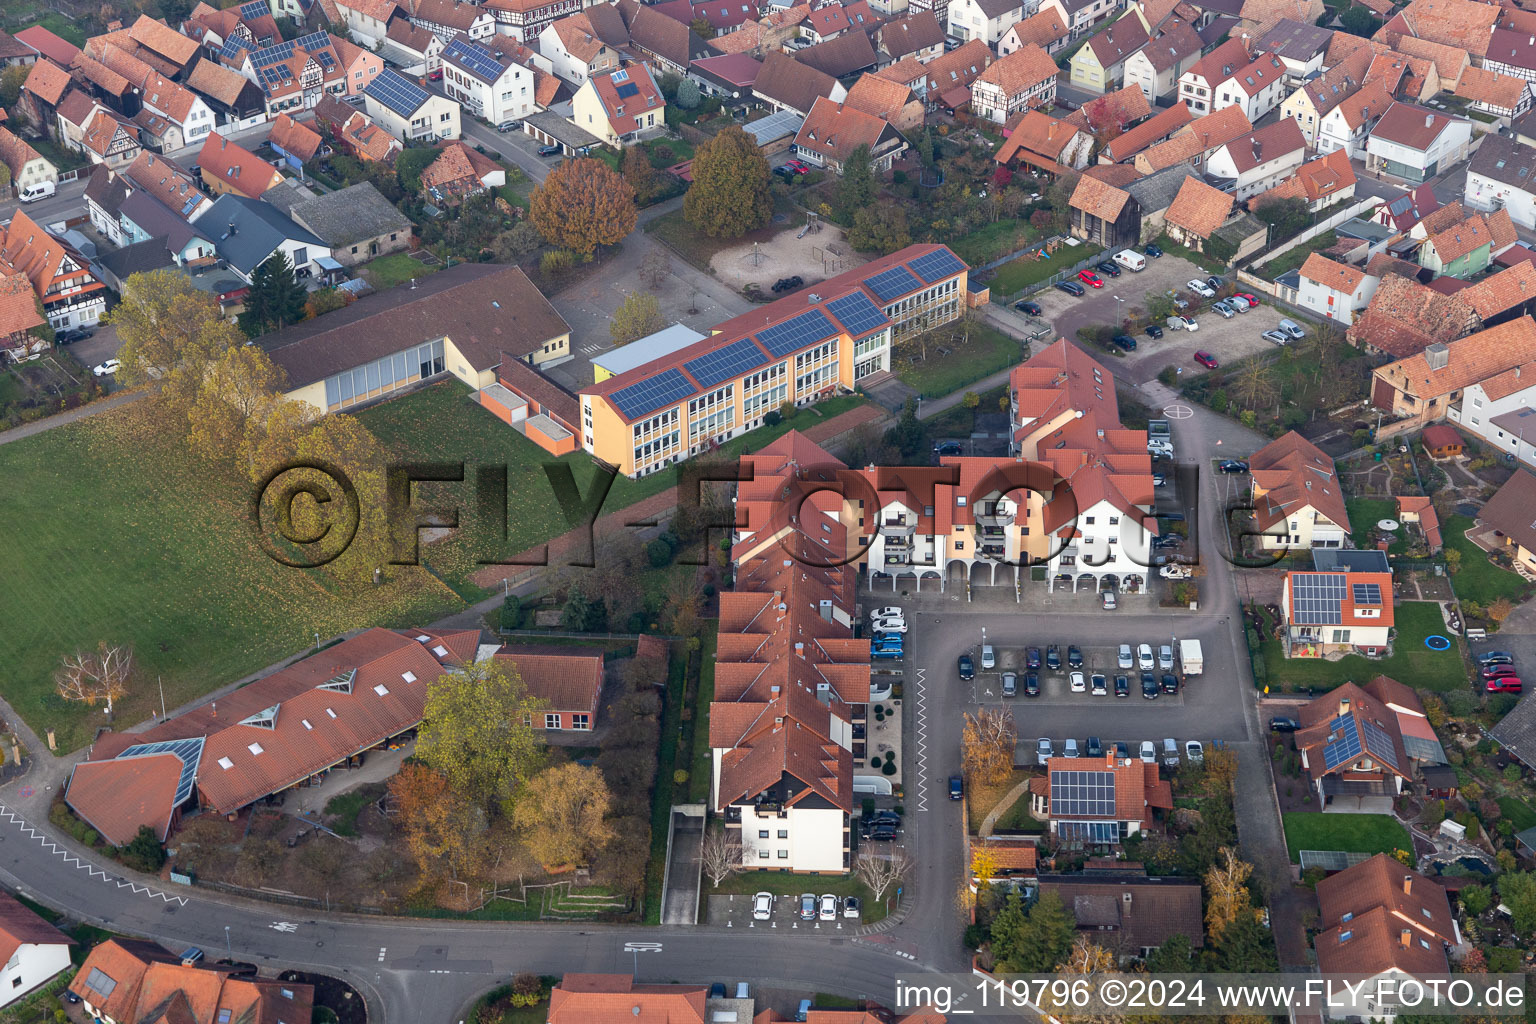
[[653, 393], [397, 93], [1315, 599], [735, 359], [1367, 593], [796, 333], [888, 284], [477, 59], [1378, 742], [1345, 745], [1092, 831], [232, 49], [940, 263], [253, 10], [189, 750], [627, 90], [857, 314], [1074, 792]]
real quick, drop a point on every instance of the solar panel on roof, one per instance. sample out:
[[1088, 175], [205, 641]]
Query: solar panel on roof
[[1315, 599], [231, 49], [1076, 792], [889, 284], [253, 10], [938, 264], [474, 57], [1345, 745], [1367, 593], [397, 93], [857, 314], [797, 332], [628, 89], [732, 361], [653, 393], [190, 751], [272, 54], [1092, 831], [313, 41], [1378, 742]]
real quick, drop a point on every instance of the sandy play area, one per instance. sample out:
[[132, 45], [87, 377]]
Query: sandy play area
[[817, 256]]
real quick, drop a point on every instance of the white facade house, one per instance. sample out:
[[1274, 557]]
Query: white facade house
[[1081, 15], [1347, 125], [1334, 290], [1502, 412], [1258, 161], [367, 21], [1256, 88], [986, 20], [490, 83], [34, 951], [574, 51], [1502, 174], [409, 112], [794, 839], [1415, 143]]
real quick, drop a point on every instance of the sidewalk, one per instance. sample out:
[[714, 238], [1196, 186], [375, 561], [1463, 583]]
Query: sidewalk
[[107, 404]]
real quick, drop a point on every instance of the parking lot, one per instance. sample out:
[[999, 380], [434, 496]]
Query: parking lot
[[1227, 340], [1055, 684], [735, 911]]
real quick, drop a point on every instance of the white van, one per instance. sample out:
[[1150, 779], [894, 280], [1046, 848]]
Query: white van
[[1131, 260], [41, 190]]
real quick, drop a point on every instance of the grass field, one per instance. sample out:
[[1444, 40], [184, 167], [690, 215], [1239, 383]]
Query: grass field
[[118, 534], [1411, 662], [1350, 833], [1520, 814], [1295, 256], [1018, 275], [994, 241], [397, 268], [1479, 579], [989, 351]]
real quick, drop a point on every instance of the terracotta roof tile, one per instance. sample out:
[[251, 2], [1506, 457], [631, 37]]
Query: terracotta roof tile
[[296, 139], [1119, 109], [1114, 44], [569, 682], [1338, 276], [47, 81], [163, 39], [16, 152], [617, 999], [1449, 60], [1501, 292], [879, 96], [1413, 126], [1464, 24], [1502, 228], [18, 304], [1291, 473], [1098, 199], [1218, 65], [837, 129], [1038, 135], [1201, 135], [1470, 360], [1042, 29], [118, 796], [1259, 74], [1380, 915], [1460, 239], [1021, 70], [1118, 175], [1313, 181], [1199, 208], [20, 926], [960, 66], [789, 83], [217, 82], [237, 167]]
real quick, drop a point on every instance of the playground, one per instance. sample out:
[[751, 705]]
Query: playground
[[815, 252]]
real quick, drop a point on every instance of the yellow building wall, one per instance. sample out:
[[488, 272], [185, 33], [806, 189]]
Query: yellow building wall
[[313, 394], [554, 349], [612, 438], [460, 367], [587, 114]]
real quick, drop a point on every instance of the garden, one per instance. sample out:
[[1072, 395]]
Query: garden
[[1410, 663], [52, 383], [954, 355], [1350, 833]]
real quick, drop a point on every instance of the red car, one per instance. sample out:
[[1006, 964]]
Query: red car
[[800, 168], [436, 76], [1089, 278], [1504, 684], [1248, 298], [1496, 671], [1206, 360]]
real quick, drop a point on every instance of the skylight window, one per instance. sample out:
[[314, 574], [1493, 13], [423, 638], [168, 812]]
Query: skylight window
[[409, 677], [330, 712], [255, 748], [226, 763], [306, 723], [440, 651], [381, 690]]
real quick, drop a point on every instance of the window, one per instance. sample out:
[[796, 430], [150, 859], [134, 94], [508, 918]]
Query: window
[[552, 720], [783, 855], [581, 720], [784, 834], [224, 1016], [959, 545], [764, 855], [762, 833]]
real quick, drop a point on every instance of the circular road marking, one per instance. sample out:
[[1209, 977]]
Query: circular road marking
[[1178, 412]]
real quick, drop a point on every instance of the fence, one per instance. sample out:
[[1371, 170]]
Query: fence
[[1052, 281], [1316, 229]]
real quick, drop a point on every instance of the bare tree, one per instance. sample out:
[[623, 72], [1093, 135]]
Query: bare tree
[[987, 740], [91, 676], [720, 855], [880, 873], [654, 268]]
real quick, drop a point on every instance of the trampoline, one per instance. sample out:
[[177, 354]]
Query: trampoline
[[1436, 642]]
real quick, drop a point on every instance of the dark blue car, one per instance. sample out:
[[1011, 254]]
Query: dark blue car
[[1153, 250]]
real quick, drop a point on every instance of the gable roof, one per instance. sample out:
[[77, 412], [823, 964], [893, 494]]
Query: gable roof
[[16, 152], [1021, 70], [163, 39], [1291, 473], [216, 82], [1042, 29], [1123, 38], [568, 680], [1258, 74], [1201, 135], [1380, 915], [1450, 61], [1296, 40], [790, 83], [137, 982], [1040, 135], [1174, 42], [47, 81], [297, 140], [1133, 140], [1130, 912], [1415, 127], [1469, 360], [247, 231], [837, 129], [1464, 24], [1271, 142], [960, 66], [48, 45], [1218, 65], [1512, 509], [1313, 181], [20, 926], [1506, 160], [350, 215], [666, 37], [1462, 238], [1119, 109], [840, 56], [1098, 199], [612, 998], [878, 96], [18, 305], [237, 167], [1199, 208]]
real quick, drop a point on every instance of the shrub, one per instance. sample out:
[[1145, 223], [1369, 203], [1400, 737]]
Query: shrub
[[659, 552], [143, 852], [680, 777], [557, 262], [773, 418], [889, 768], [1219, 400]]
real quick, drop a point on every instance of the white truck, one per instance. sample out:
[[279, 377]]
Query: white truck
[[1191, 657], [1131, 260]]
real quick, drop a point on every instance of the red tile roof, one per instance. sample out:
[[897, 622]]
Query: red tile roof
[[1380, 915], [569, 682], [116, 797], [648, 97], [21, 927], [1151, 131], [58, 50], [296, 139], [236, 167], [1021, 71], [1314, 181], [47, 81], [617, 999], [1470, 360], [146, 985], [1412, 126], [1290, 474], [18, 305], [835, 130], [1199, 208]]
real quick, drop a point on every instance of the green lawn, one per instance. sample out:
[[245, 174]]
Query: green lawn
[[61, 157], [699, 771], [1520, 814], [1479, 579], [1350, 833], [397, 268], [1295, 256], [988, 351], [1014, 277], [995, 240], [1364, 513], [119, 534], [1411, 663], [787, 886]]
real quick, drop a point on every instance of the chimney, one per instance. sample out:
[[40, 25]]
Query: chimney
[[1407, 885], [826, 609], [1343, 707], [231, 228], [1406, 937], [800, 651], [1429, 120], [1125, 902], [1256, 148], [1437, 356]]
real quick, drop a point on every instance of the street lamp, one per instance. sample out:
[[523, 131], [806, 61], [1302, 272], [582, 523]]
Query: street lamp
[[228, 948]]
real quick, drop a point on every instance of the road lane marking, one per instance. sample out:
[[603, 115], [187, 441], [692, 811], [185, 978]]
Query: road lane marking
[[90, 869], [922, 740], [284, 926]]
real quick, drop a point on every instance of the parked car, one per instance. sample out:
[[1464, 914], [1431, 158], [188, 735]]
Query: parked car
[[948, 448], [1093, 748], [956, 787], [1031, 684], [762, 906], [1215, 282], [549, 151], [1224, 308], [1122, 686], [1110, 603], [807, 906], [1152, 249], [1090, 279], [1178, 322], [1069, 748], [73, 334], [1278, 337], [506, 126], [1501, 669], [890, 611], [1126, 659], [1044, 751], [435, 76], [1074, 656], [1170, 752], [108, 368], [1071, 288], [1154, 331], [967, 668], [1233, 466], [1124, 342], [1173, 540], [889, 625], [1032, 657], [1148, 752], [828, 907], [1238, 303], [851, 907], [988, 657], [1201, 289], [1144, 657], [1010, 684], [1495, 658], [883, 834], [1149, 686], [1292, 330], [1158, 479], [1194, 751], [1028, 306], [1053, 658], [1079, 683], [1122, 750], [1106, 267], [1247, 297], [1099, 685], [884, 654], [1504, 684], [1283, 723], [1170, 683]]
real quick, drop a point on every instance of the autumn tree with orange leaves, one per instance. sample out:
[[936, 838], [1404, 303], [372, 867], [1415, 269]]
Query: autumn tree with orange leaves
[[583, 204]]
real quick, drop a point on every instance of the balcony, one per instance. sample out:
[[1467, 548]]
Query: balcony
[[897, 527]]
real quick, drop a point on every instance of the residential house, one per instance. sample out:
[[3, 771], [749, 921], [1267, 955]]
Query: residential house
[[1413, 142], [848, 54], [296, 75], [582, 998], [61, 278], [42, 91], [1044, 29], [19, 318], [1080, 16], [1402, 212], [919, 36], [569, 683], [1197, 211], [1420, 68], [783, 83], [1099, 65], [106, 140], [1128, 215], [359, 66], [1460, 250], [295, 142], [1420, 388], [1257, 87], [1258, 161], [1301, 46], [34, 951], [727, 16], [458, 321], [882, 98], [671, 44], [1503, 96], [823, 21], [236, 101], [447, 18], [950, 76], [170, 199], [367, 21], [1509, 510], [1195, 142], [1382, 921], [1111, 113], [143, 216], [249, 26], [1502, 175], [1157, 67], [1329, 613], [791, 681], [1350, 123], [1362, 745], [187, 118], [620, 105], [48, 45], [493, 79], [1463, 24], [1158, 128], [355, 223], [576, 50], [1128, 913], [415, 50], [104, 194], [1098, 801], [131, 981], [409, 112], [986, 20], [1297, 500], [229, 167], [365, 140], [525, 20], [1505, 294], [1198, 85], [1334, 290], [1510, 52], [14, 52], [832, 131], [1039, 140], [728, 76], [453, 177], [1405, 317], [248, 232], [27, 166], [1259, 17], [1023, 80], [1320, 183]]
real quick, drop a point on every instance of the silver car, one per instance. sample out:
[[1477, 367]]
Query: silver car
[[1044, 751], [1292, 330], [1126, 660], [1226, 311], [1165, 658]]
